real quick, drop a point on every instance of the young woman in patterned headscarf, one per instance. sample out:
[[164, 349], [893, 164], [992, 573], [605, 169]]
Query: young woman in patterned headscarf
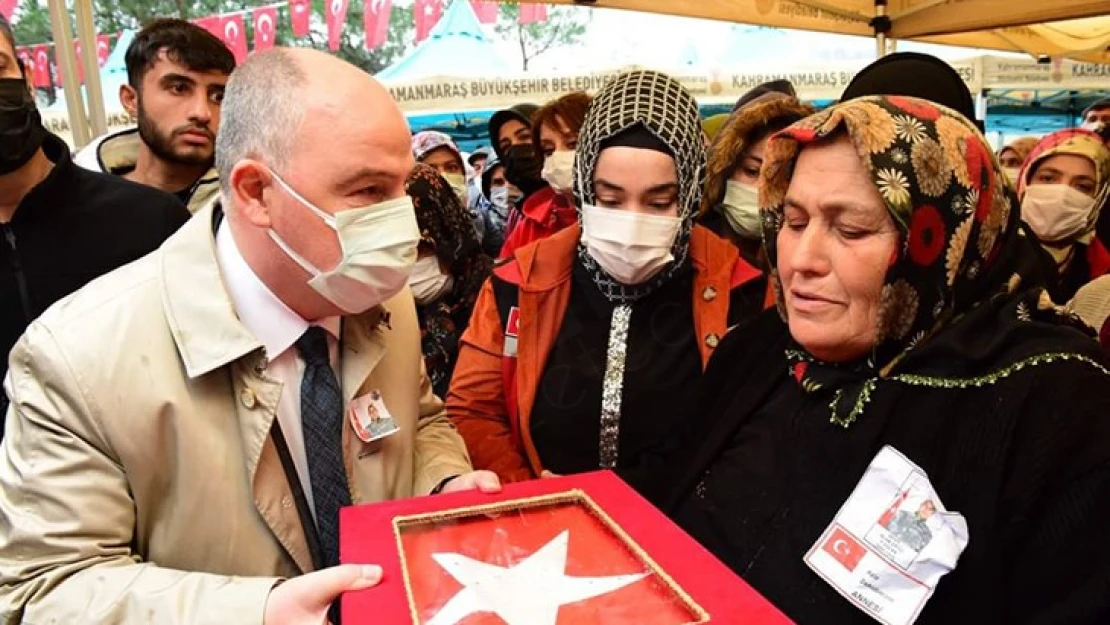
[[906, 332], [448, 274], [585, 346], [1064, 181]]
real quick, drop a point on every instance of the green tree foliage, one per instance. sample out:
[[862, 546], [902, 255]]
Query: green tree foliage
[[32, 24], [564, 26]]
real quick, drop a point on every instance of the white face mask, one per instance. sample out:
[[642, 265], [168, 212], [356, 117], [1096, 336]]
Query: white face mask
[[1012, 173], [379, 248], [558, 170], [458, 185], [1056, 212], [499, 197], [630, 247], [1092, 126], [428, 282], [741, 209]]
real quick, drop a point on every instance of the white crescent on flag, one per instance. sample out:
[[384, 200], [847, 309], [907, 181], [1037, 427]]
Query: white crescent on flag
[[335, 6], [266, 26], [231, 31]]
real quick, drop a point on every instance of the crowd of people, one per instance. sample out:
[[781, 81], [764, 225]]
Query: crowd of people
[[207, 320]]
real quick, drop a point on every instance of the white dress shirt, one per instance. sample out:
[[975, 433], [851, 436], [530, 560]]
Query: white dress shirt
[[277, 328]]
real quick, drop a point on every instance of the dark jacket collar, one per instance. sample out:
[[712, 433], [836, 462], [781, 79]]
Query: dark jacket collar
[[56, 190]]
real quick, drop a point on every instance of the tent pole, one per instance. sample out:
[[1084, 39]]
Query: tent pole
[[86, 33], [881, 24], [63, 54]]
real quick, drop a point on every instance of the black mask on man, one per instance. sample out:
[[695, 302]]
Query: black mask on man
[[21, 130]]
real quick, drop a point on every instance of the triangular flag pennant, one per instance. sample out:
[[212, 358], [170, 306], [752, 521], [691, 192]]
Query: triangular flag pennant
[[28, 57], [300, 14], [486, 11], [375, 15], [265, 28], [7, 8], [77, 60], [425, 14], [531, 13], [336, 17], [103, 48], [234, 34], [41, 75]]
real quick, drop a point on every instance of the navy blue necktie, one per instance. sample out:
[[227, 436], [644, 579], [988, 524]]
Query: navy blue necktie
[[322, 423]]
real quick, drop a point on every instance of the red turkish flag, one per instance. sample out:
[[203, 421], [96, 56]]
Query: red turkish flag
[[300, 13], [233, 32], [375, 16], [77, 59], [103, 48], [336, 17], [265, 28], [425, 14], [532, 13], [28, 57], [845, 549], [486, 11], [7, 8], [572, 541], [41, 68]]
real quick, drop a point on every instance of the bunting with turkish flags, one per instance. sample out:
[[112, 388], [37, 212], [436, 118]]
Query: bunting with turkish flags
[[212, 24], [531, 13], [336, 18], [425, 15], [28, 58], [265, 28], [375, 15], [300, 13], [485, 11]]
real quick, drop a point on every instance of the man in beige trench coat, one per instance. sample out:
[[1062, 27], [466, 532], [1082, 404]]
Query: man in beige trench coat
[[174, 425]]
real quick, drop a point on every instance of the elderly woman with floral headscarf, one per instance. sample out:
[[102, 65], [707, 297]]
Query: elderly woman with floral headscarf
[[916, 415], [448, 274], [1064, 181], [585, 346]]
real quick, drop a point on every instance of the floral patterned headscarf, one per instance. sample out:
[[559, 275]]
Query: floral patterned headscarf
[[948, 198]]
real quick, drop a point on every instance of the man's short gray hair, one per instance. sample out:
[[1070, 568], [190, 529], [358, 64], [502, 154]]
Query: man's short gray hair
[[261, 111]]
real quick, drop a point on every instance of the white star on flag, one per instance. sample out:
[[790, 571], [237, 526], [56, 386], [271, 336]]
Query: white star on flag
[[529, 593]]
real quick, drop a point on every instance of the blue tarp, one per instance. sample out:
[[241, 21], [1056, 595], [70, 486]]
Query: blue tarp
[[457, 46]]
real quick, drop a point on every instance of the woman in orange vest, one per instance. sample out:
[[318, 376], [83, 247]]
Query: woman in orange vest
[[586, 347]]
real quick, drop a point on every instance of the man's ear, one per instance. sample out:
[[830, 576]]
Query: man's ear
[[129, 98], [251, 188]]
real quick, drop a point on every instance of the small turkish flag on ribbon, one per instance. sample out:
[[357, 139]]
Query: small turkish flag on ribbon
[[845, 549], [28, 57], [77, 59], [336, 18], [103, 48], [425, 14], [234, 34], [375, 16], [300, 15], [41, 74], [7, 8], [265, 28], [531, 13], [486, 11]]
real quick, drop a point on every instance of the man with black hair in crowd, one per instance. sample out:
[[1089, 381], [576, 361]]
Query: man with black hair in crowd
[[60, 226], [176, 73]]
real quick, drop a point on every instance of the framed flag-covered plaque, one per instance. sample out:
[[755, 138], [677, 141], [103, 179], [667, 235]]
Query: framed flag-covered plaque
[[581, 550]]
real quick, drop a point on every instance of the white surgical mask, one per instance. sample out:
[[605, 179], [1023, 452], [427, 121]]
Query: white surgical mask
[[741, 209], [458, 185], [1092, 126], [558, 170], [427, 281], [630, 247], [1012, 173], [379, 248], [1056, 212]]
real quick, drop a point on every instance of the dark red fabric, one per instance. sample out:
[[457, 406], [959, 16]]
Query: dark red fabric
[[545, 212]]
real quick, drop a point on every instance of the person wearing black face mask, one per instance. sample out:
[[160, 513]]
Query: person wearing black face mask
[[541, 211], [60, 226]]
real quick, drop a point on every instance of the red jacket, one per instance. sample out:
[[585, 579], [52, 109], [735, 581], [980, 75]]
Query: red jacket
[[501, 362], [545, 212]]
